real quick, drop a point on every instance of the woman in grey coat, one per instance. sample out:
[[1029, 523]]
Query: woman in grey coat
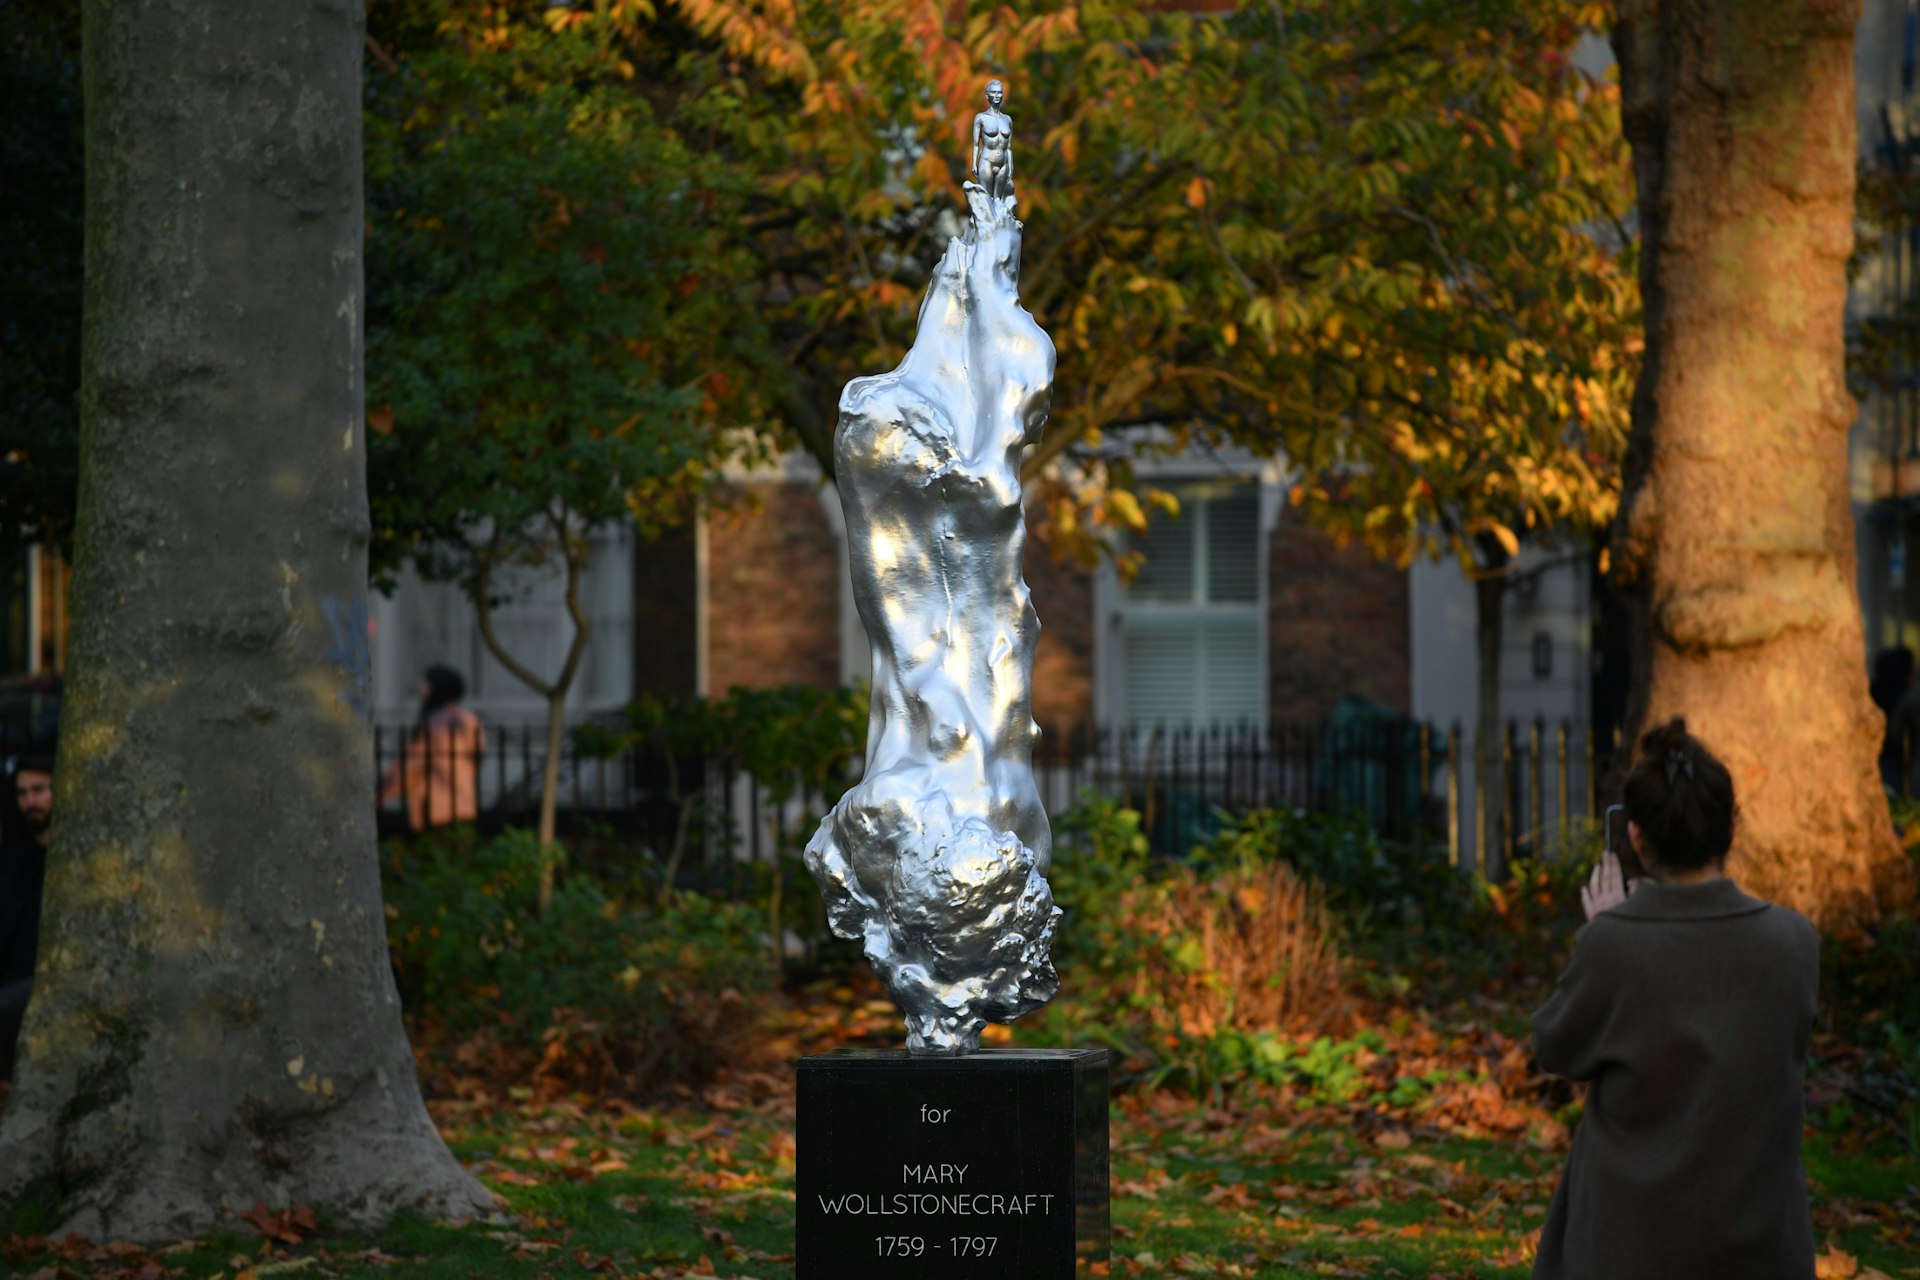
[[1687, 1007]]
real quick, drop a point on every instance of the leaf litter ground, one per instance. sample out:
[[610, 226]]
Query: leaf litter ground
[[1257, 1183]]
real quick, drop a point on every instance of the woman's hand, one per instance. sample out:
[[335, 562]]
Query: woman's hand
[[1606, 887]]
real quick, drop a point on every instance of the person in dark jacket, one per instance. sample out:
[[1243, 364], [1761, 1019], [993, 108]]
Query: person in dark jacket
[[1892, 681], [1687, 1007], [23, 871]]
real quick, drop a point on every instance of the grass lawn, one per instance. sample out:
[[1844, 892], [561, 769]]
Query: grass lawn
[[1258, 1187]]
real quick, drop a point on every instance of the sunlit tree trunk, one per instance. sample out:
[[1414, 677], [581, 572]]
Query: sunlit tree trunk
[[1734, 549], [215, 1020]]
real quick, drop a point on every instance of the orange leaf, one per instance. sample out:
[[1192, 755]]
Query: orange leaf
[[1196, 193], [1835, 1264]]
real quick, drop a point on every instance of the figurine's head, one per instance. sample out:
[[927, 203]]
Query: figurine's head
[[996, 93]]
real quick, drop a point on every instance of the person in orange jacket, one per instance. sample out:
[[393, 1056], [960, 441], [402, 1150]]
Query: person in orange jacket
[[439, 766]]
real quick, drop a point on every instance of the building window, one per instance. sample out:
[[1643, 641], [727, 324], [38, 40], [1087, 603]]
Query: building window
[[1188, 629], [427, 622]]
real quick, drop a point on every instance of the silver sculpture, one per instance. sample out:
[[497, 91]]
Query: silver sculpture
[[993, 144], [937, 860]]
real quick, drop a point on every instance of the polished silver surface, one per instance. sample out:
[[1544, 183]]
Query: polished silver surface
[[993, 145], [937, 860]]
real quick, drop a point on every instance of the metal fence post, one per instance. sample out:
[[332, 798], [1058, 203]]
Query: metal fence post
[[1480, 806], [1426, 780], [526, 769], [1456, 747], [1560, 754], [1536, 793], [1593, 779]]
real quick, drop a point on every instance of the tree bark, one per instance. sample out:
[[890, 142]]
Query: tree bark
[[1734, 547], [215, 1020], [549, 828]]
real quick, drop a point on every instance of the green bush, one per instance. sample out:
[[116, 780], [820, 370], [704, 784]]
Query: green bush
[[1100, 852], [1378, 889], [606, 994], [792, 739], [1870, 977], [1163, 960], [1187, 970]]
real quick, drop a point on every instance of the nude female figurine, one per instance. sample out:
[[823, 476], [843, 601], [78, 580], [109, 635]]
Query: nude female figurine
[[993, 144]]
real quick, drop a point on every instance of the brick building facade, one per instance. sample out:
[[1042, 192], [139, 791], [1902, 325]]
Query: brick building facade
[[757, 597]]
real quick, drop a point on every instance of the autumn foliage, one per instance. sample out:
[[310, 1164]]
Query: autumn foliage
[[1252, 948], [1384, 241]]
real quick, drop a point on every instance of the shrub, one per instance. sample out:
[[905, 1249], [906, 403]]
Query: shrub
[[595, 994], [794, 740], [1247, 948], [1378, 889], [1194, 967], [1161, 959], [1873, 974]]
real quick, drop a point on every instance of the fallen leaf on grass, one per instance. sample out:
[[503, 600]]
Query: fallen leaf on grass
[[1836, 1264], [505, 1174], [1231, 1194], [290, 1226]]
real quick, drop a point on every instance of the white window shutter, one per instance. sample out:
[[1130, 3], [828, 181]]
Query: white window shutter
[[1233, 547], [1230, 672], [1190, 635], [1167, 576], [1161, 671]]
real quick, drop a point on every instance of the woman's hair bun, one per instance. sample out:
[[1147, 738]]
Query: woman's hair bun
[[1681, 796], [1670, 736]]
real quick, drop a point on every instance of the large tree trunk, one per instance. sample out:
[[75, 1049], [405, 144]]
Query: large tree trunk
[[215, 1019], [1734, 548]]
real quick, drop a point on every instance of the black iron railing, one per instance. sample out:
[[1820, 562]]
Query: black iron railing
[[713, 823]]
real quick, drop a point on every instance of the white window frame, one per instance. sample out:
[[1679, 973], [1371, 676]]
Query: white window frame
[[1109, 605]]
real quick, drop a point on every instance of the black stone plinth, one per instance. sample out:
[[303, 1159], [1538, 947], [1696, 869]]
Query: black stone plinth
[[992, 1164]]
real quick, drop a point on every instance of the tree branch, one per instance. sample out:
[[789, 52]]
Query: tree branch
[[483, 610]]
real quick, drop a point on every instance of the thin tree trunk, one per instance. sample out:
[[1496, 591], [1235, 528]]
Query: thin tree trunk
[[550, 788], [1734, 549], [1489, 603], [573, 556], [215, 1020]]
